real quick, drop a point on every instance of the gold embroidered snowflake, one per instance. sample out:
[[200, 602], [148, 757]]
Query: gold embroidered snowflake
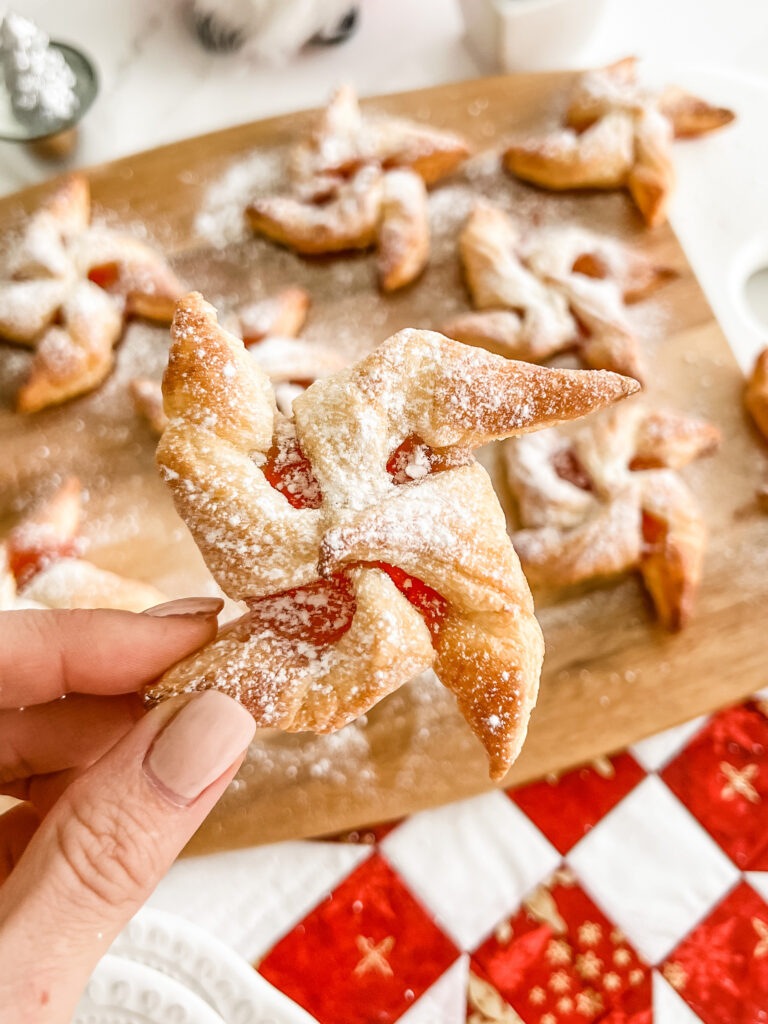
[[558, 952], [675, 974], [611, 981], [588, 965], [621, 957], [590, 933], [589, 1002], [739, 782], [537, 996], [560, 981]]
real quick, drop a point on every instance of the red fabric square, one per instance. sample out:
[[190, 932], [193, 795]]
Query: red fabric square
[[364, 955], [560, 960], [721, 968], [566, 808], [722, 778]]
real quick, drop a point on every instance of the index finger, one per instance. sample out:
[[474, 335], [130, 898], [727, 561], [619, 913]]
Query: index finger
[[46, 654]]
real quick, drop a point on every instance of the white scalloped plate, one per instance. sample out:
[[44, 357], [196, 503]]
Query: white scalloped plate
[[206, 967], [123, 992]]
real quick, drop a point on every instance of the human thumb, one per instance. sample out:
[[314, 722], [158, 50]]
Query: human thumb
[[105, 845]]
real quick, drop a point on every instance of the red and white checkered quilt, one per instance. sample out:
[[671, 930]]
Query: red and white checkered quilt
[[629, 891]]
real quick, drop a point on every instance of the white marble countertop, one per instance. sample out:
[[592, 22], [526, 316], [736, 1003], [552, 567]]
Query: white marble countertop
[[158, 84]]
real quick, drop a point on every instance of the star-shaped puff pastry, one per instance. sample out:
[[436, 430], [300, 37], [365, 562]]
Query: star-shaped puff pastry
[[608, 499], [756, 402], [268, 328], [617, 135], [359, 182], [366, 540], [41, 563], [67, 291], [546, 290]]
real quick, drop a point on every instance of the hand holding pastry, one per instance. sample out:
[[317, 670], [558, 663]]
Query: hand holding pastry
[[363, 536], [110, 796]]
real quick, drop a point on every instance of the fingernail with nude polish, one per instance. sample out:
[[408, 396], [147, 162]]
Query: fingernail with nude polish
[[195, 606], [198, 745]]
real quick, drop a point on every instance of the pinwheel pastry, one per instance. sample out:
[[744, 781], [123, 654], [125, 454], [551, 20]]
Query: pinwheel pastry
[[609, 499], [756, 402], [756, 393], [67, 290], [617, 134], [40, 563], [359, 182], [364, 538], [268, 329], [548, 290]]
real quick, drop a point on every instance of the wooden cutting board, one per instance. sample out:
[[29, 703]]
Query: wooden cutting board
[[611, 676]]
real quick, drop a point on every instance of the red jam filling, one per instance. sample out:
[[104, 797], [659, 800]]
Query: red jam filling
[[432, 605], [105, 275], [414, 459], [319, 613], [289, 471], [26, 560], [568, 467], [654, 531], [589, 265]]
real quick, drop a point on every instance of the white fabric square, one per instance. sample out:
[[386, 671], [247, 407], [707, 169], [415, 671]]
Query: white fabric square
[[471, 863], [445, 1002], [759, 882], [668, 1007], [656, 751], [652, 868], [251, 898]]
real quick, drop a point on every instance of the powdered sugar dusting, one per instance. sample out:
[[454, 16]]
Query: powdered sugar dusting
[[221, 219]]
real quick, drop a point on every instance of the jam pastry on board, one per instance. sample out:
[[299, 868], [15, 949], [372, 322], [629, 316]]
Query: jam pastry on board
[[756, 393], [360, 182], [608, 499], [541, 292], [68, 289], [41, 564], [756, 402], [617, 134], [268, 328], [365, 539]]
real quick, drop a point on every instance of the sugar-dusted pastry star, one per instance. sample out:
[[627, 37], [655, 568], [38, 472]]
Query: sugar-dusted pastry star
[[344, 139], [365, 539], [617, 134], [547, 290], [268, 328], [360, 181], [607, 499], [756, 393], [68, 289], [756, 402], [41, 563]]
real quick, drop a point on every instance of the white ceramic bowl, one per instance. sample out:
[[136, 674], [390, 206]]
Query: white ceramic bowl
[[165, 970]]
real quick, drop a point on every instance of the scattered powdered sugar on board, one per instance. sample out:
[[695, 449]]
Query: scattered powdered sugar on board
[[221, 219], [128, 508]]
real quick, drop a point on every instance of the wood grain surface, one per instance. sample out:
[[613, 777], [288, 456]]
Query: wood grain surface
[[611, 674]]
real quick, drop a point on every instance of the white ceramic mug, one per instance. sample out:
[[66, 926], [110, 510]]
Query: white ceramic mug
[[529, 35]]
